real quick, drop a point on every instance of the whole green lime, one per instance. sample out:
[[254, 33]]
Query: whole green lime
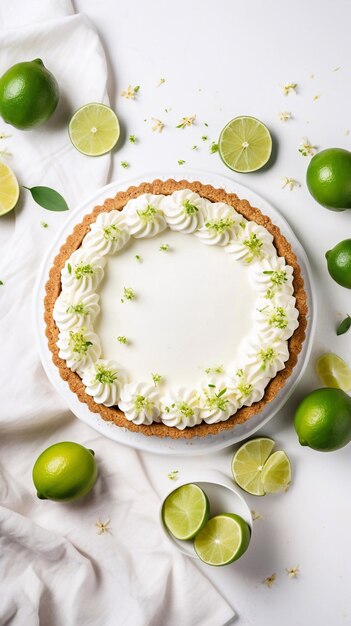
[[65, 471], [339, 263], [323, 419], [29, 94], [329, 178]]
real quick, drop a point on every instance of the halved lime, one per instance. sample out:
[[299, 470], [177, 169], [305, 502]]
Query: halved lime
[[248, 462], [185, 511], [245, 144], [9, 189], [334, 372], [94, 129], [223, 540], [276, 473]]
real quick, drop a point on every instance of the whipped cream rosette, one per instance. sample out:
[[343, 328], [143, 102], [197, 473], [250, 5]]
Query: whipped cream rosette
[[108, 234], [144, 217], [184, 210]]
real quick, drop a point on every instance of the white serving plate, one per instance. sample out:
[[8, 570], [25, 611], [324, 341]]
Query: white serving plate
[[196, 445]]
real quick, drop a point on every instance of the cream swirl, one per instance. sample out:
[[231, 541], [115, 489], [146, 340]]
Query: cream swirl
[[181, 408], [104, 380], [108, 234], [80, 348], [220, 224], [83, 270], [272, 276], [251, 244], [217, 401], [248, 386], [184, 210], [144, 216], [264, 359], [140, 403], [278, 318], [74, 310]]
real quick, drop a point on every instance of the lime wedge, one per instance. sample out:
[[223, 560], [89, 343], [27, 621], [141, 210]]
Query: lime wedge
[[185, 511], [245, 144], [248, 462], [276, 473], [94, 129], [334, 372], [9, 189], [223, 540]]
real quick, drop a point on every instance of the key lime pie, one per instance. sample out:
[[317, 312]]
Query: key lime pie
[[175, 309]]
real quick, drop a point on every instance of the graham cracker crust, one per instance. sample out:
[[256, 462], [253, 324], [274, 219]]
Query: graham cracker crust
[[53, 289]]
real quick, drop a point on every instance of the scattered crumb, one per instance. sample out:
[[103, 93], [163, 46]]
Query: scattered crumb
[[293, 572], [186, 121], [256, 515], [102, 527], [290, 182], [317, 97], [44, 224], [347, 131], [5, 154], [173, 475], [181, 161], [312, 76], [138, 258], [164, 247], [270, 580], [158, 126], [290, 88], [336, 69], [306, 148], [195, 147], [284, 116], [132, 139], [161, 82], [130, 93], [4, 136], [125, 164]]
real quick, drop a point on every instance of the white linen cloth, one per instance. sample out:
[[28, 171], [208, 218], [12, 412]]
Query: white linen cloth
[[55, 569]]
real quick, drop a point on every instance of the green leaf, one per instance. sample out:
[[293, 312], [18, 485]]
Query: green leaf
[[48, 198], [344, 326], [268, 272]]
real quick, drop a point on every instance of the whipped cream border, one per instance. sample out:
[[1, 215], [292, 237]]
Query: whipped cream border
[[261, 354]]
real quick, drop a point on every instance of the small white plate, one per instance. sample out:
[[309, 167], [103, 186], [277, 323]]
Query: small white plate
[[223, 498], [166, 445]]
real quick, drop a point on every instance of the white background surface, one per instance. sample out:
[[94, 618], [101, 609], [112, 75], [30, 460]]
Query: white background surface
[[220, 60]]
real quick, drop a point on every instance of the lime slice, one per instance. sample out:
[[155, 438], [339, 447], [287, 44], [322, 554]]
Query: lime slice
[[185, 511], [245, 144], [94, 129], [276, 473], [248, 462], [9, 189], [223, 540], [334, 372]]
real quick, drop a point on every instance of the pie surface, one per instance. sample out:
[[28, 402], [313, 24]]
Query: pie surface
[[175, 309]]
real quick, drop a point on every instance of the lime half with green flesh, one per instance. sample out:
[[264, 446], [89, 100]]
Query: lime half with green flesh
[[94, 129], [65, 471], [185, 511], [334, 372], [9, 189], [245, 144], [248, 462], [222, 540], [276, 473]]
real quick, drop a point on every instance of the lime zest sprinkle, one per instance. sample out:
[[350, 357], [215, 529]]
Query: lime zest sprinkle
[[105, 376], [181, 161], [285, 116], [213, 147], [161, 82], [156, 378], [189, 209], [103, 527], [216, 400], [316, 97], [195, 147], [279, 318], [256, 515], [290, 88], [44, 224], [125, 164], [123, 339], [266, 356], [306, 148], [270, 580], [148, 214], [69, 268], [111, 233], [164, 247], [173, 474], [130, 93], [240, 372], [220, 226], [245, 389], [129, 294], [78, 343], [291, 183], [204, 138], [278, 277], [186, 121], [132, 139], [254, 244], [293, 572], [138, 258], [269, 294], [83, 270], [76, 308], [142, 404], [158, 125], [185, 409], [218, 369], [1, 282]]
